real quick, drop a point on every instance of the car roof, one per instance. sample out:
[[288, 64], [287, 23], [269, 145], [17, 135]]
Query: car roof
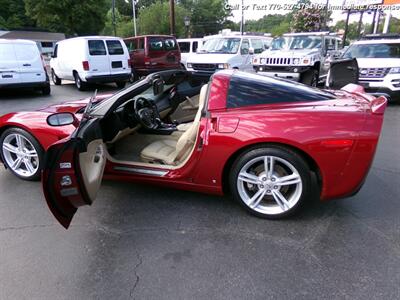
[[380, 41], [92, 37], [149, 35], [17, 41], [189, 40]]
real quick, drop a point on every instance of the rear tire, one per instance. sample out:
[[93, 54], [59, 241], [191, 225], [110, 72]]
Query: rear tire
[[134, 77], [46, 90], [270, 195], [20, 148], [56, 80], [120, 84], [80, 85], [310, 78]]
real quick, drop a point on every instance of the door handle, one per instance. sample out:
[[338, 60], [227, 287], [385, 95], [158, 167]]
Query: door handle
[[26, 65]]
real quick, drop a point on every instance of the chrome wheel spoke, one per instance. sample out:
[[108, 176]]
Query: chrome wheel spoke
[[29, 166], [10, 148], [256, 199], [249, 178], [289, 180], [280, 200], [20, 142], [17, 163], [269, 163], [31, 153]]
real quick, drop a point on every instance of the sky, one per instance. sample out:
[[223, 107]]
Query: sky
[[265, 7]]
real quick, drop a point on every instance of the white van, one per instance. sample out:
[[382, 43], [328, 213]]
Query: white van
[[227, 50], [21, 66], [91, 59], [188, 47]]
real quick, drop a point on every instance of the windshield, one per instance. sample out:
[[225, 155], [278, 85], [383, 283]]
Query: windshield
[[221, 45], [373, 51], [296, 42]]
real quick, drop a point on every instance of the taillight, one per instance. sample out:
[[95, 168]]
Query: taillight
[[85, 65], [147, 60]]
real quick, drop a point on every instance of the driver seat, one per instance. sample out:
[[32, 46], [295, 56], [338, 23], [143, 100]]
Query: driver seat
[[171, 151]]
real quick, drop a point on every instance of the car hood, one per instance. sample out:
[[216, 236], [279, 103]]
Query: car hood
[[212, 58], [288, 53], [73, 106], [378, 62]]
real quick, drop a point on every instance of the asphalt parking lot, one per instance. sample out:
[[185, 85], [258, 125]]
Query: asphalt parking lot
[[146, 242]]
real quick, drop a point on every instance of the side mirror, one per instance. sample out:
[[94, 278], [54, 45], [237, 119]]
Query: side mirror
[[62, 119], [251, 50]]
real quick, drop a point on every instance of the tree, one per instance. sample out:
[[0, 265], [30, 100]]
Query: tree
[[308, 18], [352, 32], [123, 25], [155, 19], [274, 24], [206, 16], [69, 16], [12, 15]]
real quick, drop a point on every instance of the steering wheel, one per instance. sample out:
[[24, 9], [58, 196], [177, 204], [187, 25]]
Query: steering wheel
[[146, 113]]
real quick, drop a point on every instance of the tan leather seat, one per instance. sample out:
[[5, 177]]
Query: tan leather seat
[[171, 151]]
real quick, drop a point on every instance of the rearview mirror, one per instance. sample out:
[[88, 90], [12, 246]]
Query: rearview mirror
[[158, 86], [62, 119]]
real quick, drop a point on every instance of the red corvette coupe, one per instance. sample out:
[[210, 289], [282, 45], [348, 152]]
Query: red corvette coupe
[[258, 138]]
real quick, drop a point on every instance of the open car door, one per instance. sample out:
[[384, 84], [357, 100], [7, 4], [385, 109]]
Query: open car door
[[73, 171], [342, 72]]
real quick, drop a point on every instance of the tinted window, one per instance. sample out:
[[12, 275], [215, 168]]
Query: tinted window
[[55, 51], [184, 46], [96, 47], [114, 47], [131, 45], [244, 49], [257, 46], [170, 44], [194, 46], [373, 51], [248, 89], [47, 44], [140, 44], [159, 43]]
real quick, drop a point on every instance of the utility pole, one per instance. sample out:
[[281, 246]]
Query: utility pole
[[113, 17], [134, 16], [326, 15], [346, 28], [172, 17], [242, 22], [360, 23]]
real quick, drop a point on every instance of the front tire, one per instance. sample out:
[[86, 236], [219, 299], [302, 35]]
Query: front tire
[[56, 80], [271, 182], [120, 84], [22, 154], [46, 90], [80, 85]]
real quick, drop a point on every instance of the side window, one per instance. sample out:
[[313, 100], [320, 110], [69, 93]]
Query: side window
[[114, 47], [55, 51], [329, 44], [194, 46], [184, 46], [257, 45], [244, 49], [96, 47], [170, 44], [130, 45], [339, 44], [140, 44]]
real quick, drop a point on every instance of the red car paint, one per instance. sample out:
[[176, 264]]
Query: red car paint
[[337, 137]]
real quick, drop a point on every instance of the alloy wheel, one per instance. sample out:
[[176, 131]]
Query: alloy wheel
[[20, 155], [269, 185]]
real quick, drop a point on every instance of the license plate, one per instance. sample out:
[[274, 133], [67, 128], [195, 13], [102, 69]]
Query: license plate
[[116, 64]]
